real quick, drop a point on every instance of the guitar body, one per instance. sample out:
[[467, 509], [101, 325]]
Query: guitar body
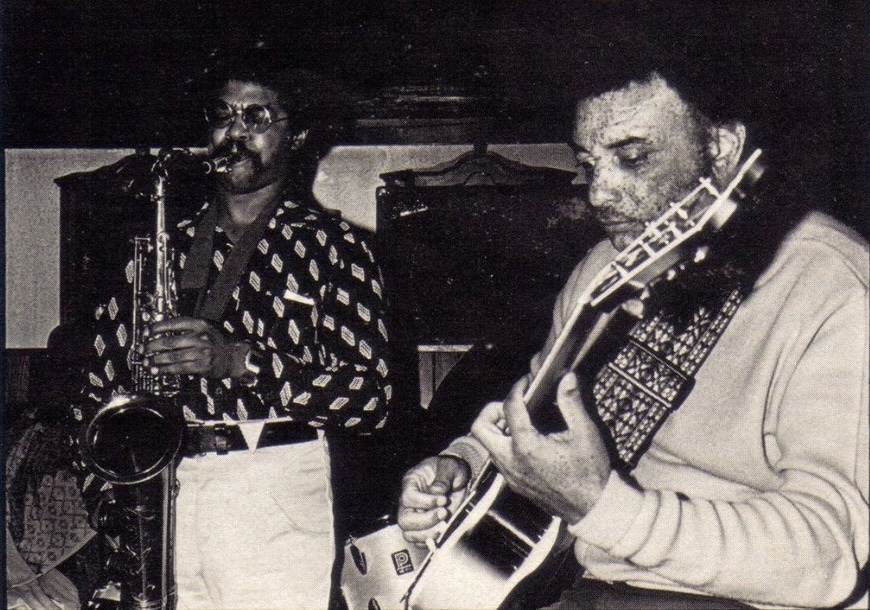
[[378, 570], [500, 539]]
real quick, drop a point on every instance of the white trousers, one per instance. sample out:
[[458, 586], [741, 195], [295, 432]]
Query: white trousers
[[254, 529]]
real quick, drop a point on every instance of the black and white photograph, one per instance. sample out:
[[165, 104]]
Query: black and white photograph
[[427, 305]]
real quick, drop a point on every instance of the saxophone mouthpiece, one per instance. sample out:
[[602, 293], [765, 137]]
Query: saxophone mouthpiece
[[183, 160], [218, 165]]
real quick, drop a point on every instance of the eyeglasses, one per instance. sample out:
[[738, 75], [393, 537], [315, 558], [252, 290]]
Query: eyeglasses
[[257, 118]]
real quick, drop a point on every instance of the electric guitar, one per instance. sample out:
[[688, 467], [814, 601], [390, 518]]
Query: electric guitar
[[496, 537]]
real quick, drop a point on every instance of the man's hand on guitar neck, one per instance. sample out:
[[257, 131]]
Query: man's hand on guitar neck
[[564, 472], [430, 490]]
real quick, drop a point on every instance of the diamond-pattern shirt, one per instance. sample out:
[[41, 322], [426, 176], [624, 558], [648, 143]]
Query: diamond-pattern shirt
[[311, 300]]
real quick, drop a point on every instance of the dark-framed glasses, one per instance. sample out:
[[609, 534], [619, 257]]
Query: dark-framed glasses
[[256, 117]]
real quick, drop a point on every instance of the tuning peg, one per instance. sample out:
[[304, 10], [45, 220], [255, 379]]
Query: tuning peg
[[679, 210], [636, 307]]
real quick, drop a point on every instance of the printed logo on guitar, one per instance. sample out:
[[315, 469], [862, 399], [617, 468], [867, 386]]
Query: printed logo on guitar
[[402, 562]]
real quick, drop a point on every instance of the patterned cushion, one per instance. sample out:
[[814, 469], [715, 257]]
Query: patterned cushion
[[45, 514]]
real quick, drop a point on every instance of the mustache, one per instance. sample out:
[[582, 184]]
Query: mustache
[[236, 151]]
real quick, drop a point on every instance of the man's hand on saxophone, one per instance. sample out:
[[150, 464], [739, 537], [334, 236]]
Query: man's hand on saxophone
[[191, 346]]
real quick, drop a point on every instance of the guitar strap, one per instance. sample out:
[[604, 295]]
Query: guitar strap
[[211, 301], [649, 373]]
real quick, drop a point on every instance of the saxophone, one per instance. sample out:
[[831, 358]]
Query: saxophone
[[134, 440]]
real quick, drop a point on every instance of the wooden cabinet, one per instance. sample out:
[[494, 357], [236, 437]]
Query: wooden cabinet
[[474, 252], [100, 212]]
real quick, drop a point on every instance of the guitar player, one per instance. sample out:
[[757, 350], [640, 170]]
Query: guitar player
[[752, 489]]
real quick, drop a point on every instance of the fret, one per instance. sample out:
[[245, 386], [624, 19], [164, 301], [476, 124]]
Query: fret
[[680, 211], [647, 248], [631, 260]]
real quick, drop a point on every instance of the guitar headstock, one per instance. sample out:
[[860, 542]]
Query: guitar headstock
[[661, 246]]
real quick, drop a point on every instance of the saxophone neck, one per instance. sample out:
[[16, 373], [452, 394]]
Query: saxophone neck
[[158, 300]]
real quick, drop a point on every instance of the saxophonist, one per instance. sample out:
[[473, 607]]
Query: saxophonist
[[280, 336]]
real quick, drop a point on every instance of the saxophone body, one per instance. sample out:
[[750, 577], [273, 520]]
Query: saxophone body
[[135, 439]]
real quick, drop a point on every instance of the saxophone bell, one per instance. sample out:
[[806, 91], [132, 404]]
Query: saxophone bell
[[132, 438]]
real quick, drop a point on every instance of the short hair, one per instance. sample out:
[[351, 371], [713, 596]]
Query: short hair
[[704, 77], [311, 99]]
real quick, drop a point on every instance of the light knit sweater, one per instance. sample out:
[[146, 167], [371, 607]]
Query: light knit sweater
[[756, 488]]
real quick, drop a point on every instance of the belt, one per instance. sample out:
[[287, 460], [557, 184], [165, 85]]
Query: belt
[[222, 438]]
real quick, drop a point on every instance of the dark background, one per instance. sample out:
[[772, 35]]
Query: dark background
[[120, 73], [104, 73]]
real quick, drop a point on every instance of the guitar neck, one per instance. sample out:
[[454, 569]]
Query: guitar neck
[[490, 535], [569, 347], [659, 248]]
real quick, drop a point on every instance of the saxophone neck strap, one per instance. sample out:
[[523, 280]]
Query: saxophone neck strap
[[212, 300]]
